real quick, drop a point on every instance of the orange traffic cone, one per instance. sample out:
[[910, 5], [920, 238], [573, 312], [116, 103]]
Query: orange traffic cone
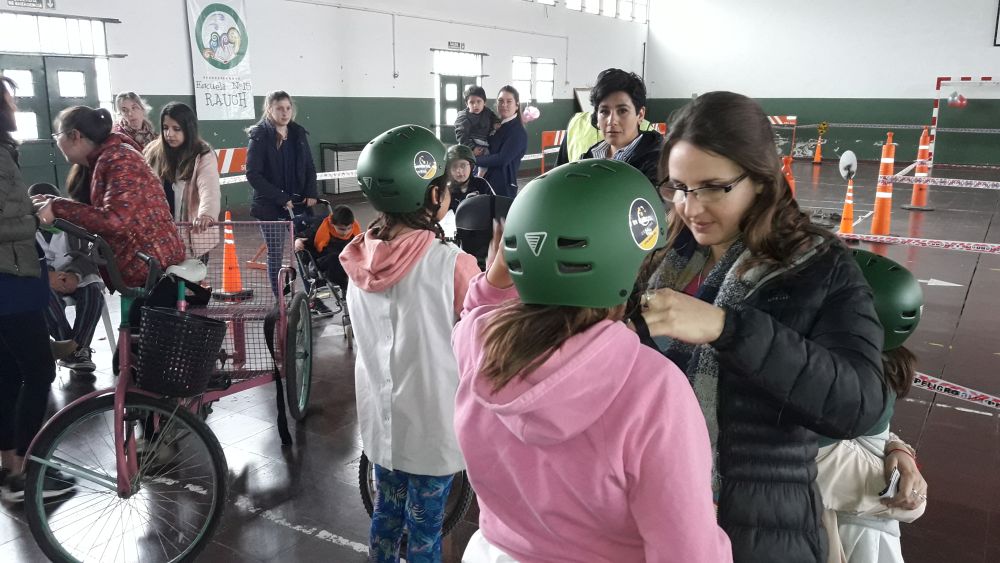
[[786, 169], [232, 282], [847, 216], [883, 197], [818, 155], [918, 202]]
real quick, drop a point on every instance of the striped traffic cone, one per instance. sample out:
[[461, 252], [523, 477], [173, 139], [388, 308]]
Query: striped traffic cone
[[883, 197], [818, 155], [847, 216], [232, 282], [918, 202], [786, 169]]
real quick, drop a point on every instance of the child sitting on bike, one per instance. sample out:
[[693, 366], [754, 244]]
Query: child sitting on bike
[[407, 288], [581, 443], [324, 240]]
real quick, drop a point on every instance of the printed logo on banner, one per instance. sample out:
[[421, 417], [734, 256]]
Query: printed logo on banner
[[644, 224], [425, 165], [221, 36]]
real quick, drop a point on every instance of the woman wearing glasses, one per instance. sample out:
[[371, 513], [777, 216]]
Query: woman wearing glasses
[[771, 320], [115, 194], [507, 145]]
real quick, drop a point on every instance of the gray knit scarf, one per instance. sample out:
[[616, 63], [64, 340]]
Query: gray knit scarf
[[723, 288]]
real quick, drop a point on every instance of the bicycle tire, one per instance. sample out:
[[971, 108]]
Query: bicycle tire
[[459, 498], [180, 425], [298, 356]]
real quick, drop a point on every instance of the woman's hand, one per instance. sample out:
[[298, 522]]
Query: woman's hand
[[912, 486], [497, 273], [201, 223], [678, 315], [43, 209], [310, 201], [300, 244]]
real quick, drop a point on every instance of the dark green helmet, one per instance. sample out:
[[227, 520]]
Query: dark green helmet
[[577, 235], [395, 168], [899, 301], [461, 152]]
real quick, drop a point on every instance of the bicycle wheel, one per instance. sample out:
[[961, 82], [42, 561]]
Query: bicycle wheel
[[298, 356], [178, 493], [459, 498]]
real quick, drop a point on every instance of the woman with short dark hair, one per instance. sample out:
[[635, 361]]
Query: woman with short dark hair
[[619, 100]]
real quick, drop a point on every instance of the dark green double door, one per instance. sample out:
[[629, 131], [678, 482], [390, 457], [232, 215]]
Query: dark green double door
[[46, 86]]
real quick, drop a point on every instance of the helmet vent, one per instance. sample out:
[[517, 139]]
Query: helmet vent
[[510, 243], [908, 315], [577, 175], [571, 268], [565, 243], [515, 266]]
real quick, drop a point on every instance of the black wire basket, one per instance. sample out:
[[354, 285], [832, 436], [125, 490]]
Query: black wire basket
[[177, 351]]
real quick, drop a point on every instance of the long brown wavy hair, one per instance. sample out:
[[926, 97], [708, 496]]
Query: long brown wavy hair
[[421, 219], [520, 337], [733, 126]]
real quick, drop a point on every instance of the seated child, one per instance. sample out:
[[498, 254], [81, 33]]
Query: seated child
[[70, 275], [474, 124], [325, 240]]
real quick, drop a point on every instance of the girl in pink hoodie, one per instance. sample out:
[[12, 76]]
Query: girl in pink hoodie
[[407, 287], [582, 444]]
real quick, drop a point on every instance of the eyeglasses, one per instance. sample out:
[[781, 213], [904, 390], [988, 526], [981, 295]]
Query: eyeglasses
[[711, 193]]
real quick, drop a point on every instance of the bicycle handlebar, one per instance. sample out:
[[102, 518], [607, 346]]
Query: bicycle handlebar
[[106, 257]]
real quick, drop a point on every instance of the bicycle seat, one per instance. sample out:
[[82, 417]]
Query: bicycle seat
[[192, 270]]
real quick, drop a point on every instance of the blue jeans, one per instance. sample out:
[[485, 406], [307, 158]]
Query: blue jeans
[[275, 235], [414, 501]]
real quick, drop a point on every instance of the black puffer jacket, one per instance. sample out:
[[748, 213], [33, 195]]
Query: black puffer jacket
[[645, 157], [802, 357]]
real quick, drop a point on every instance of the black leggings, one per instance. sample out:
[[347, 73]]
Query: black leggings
[[27, 371]]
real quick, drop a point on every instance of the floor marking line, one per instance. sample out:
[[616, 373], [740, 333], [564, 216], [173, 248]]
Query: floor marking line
[[246, 505]]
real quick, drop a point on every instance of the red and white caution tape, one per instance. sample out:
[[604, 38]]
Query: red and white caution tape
[[950, 389], [950, 182], [979, 247], [891, 126]]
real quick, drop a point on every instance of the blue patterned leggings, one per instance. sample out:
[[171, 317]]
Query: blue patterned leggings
[[414, 501]]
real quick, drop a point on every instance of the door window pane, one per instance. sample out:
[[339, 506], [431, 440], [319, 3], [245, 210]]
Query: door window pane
[[27, 126], [451, 92], [543, 91], [545, 69], [25, 85], [72, 84], [450, 115], [523, 88], [52, 35]]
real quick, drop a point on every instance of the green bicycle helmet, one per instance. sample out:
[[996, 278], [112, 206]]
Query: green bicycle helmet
[[577, 235], [461, 152], [899, 300], [395, 168]]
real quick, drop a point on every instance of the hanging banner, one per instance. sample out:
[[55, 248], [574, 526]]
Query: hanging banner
[[220, 59]]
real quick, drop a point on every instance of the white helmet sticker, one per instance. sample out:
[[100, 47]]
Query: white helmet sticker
[[425, 165], [644, 223]]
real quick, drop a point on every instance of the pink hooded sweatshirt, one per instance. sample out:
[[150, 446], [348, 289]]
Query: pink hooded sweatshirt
[[599, 455]]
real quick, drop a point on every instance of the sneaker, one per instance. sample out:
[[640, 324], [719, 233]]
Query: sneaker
[[318, 308], [56, 484], [80, 360], [63, 349]]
